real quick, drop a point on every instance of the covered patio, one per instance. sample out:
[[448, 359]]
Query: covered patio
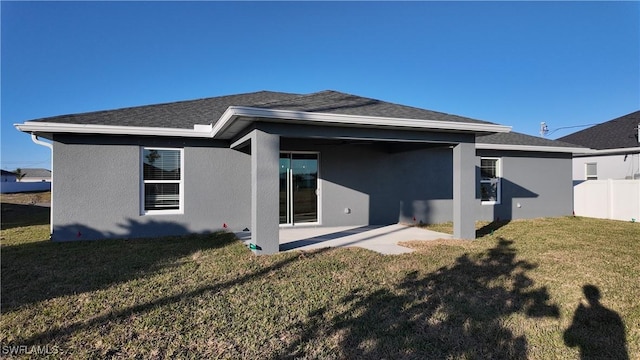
[[360, 180], [380, 238], [370, 167]]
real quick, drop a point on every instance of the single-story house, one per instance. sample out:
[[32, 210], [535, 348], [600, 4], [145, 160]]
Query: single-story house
[[617, 149], [8, 176], [28, 180], [36, 175], [265, 160]]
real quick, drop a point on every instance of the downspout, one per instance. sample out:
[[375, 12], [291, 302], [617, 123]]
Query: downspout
[[35, 139]]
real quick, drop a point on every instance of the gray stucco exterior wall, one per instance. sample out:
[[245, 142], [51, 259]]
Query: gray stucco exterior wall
[[378, 185], [533, 185], [96, 192]]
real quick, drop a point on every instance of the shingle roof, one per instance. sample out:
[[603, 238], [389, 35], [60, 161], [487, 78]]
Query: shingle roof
[[181, 114], [7, 173], [185, 114], [515, 138], [36, 173], [618, 133], [335, 102]]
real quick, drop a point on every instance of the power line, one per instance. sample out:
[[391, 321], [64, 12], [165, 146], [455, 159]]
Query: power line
[[544, 130], [34, 162]]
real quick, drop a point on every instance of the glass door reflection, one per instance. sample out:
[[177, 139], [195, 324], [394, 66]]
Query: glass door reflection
[[298, 188]]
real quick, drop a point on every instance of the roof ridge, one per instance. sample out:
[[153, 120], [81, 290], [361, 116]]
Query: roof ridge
[[300, 96], [318, 93], [435, 114], [160, 104], [434, 111], [408, 106], [297, 96], [200, 99]]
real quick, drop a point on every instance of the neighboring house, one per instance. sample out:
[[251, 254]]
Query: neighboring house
[[266, 160], [8, 176], [617, 150], [615, 161], [11, 184], [36, 175]]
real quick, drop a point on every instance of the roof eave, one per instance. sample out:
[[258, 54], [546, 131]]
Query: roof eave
[[236, 118], [535, 148], [618, 151], [50, 128], [228, 121]]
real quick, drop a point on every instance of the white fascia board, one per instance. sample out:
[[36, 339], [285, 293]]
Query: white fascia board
[[233, 112], [202, 131], [561, 149], [621, 151]]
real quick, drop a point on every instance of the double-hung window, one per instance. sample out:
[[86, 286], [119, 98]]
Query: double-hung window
[[162, 188], [490, 174], [591, 171]]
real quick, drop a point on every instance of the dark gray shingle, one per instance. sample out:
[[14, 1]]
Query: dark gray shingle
[[181, 114], [335, 102], [618, 133], [515, 138], [185, 114], [35, 173]]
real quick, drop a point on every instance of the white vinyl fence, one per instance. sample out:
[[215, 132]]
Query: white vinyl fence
[[23, 186], [608, 199]]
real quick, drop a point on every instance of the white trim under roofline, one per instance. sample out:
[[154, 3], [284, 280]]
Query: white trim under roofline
[[232, 112], [560, 149], [48, 127], [620, 151]]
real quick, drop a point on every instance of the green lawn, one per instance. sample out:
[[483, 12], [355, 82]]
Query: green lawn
[[511, 294]]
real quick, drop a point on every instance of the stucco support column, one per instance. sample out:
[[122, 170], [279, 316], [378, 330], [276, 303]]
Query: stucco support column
[[464, 190], [265, 185]]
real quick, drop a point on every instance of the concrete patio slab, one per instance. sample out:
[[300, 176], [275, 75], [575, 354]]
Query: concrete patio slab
[[383, 239]]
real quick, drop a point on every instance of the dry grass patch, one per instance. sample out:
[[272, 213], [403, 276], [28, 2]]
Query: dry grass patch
[[27, 198]]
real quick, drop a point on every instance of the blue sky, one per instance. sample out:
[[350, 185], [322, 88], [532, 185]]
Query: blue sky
[[513, 63]]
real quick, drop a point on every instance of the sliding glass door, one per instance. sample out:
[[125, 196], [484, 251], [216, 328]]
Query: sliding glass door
[[298, 188]]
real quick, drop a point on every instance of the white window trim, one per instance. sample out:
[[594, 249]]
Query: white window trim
[[586, 171], [180, 182], [499, 175]]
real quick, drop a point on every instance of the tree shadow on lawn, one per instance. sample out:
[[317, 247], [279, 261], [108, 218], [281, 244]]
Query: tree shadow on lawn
[[490, 228], [16, 215], [456, 311], [62, 333], [38, 271]]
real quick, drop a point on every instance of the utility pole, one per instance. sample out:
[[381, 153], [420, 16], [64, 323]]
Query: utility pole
[[543, 129]]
